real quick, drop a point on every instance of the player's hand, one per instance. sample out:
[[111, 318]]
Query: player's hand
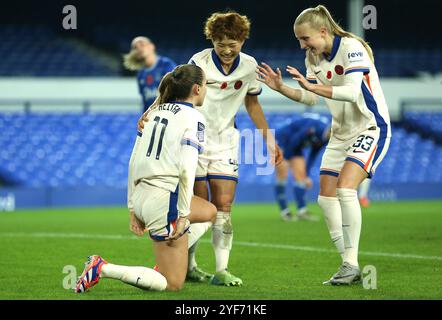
[[275, 153], [135, 225], [271, 78], [296, 75], [279, 156], [181, 226], [308, 183], [144, 117]]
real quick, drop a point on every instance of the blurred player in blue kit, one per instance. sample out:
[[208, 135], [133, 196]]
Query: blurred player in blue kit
[[151, 68], [294, 136]]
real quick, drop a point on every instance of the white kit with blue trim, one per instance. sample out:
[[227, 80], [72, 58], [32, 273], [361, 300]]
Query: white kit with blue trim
[[225, 95], [157, 157], [361, 123], [369, 107]]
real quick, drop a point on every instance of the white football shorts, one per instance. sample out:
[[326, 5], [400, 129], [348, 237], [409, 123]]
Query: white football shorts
[[367, 150], [157, 208]]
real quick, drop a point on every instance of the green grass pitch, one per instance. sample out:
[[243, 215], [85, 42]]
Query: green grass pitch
[[275, 259]]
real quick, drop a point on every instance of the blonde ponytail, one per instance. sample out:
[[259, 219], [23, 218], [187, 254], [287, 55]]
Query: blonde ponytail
[[320, 17]]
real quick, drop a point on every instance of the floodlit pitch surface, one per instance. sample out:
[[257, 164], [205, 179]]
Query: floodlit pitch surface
[[275, 259]]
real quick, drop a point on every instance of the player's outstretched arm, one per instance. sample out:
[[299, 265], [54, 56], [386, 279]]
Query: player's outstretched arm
[[349, 91], [274, 81]]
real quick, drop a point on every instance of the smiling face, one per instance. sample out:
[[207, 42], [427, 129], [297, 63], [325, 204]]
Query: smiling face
[[315, 41], [227, 49]]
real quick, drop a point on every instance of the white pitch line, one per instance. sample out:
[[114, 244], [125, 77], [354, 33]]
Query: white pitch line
[[237, 243]]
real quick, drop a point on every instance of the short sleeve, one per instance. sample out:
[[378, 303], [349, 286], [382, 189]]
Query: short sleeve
[[356, 58], [255, 88]]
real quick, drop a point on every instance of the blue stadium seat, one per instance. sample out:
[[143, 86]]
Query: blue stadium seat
[[37, 51], [74, 150], [428, 123]]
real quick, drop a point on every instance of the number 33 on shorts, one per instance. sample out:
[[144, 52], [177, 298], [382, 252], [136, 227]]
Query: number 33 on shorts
[[364, 142], [362, 150]]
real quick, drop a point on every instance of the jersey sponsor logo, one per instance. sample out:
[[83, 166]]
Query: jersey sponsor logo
[[238, 84], [355, 55], [200, 132], [339, 69]]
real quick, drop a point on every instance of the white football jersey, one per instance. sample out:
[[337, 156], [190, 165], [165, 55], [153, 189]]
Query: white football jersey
[[156, 155], [225, 93], [349, 119]]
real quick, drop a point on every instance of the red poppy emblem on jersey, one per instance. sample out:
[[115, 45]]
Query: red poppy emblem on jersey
[[329, 74], [339, 69], [149, 80], [238, 84], [223, 85]]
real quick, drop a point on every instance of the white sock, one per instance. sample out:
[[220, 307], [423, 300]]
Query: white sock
[[140, 277], [364, 187], [197, 230], [333, 219], [222, 236], [351, 223], [191, 262]]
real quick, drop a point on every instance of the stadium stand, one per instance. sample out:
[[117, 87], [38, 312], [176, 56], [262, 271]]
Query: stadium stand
[[93, 149], [38, 51], [428, 124]]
